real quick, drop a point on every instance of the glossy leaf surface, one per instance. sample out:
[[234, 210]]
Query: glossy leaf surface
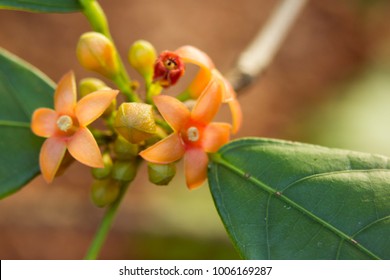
[[285, 200], [22, 89], [49, 6]]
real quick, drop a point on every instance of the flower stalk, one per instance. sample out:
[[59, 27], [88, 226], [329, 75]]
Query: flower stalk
[[105, 225]]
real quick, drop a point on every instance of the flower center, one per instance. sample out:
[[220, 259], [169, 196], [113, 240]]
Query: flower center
[[170, 63], [64, 123], [193, 134]]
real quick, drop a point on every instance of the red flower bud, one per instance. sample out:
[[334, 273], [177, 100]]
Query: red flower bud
[[168, 68]]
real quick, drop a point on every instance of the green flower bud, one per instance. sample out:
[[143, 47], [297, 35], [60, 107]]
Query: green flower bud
[[161, 174], [125, 150], [101, 173], [142, 56], [104, 192], [135, 122], [124, 170], [97, 53], [89, 85]]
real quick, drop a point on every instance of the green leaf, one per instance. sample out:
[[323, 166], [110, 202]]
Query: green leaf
[[285, 200], [22, 89], [46, 6]]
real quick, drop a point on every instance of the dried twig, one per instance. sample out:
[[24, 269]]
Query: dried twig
[[258, 55]]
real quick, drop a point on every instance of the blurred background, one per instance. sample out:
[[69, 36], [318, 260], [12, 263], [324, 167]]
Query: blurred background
[[328, 84]]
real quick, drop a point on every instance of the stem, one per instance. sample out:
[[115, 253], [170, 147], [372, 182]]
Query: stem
[[261, 51], [152, 89], [96, 17], [124, 84], [105, 225]]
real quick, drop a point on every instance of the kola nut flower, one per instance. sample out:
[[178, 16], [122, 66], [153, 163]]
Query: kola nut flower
[[207, 73], [194, 135], [65, 127]]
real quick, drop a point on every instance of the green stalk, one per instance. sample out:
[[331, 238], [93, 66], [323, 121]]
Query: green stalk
[[105, 225], [98, 20], [96, 17]]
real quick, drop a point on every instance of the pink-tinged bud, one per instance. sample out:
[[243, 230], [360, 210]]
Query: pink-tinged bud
[[168, 68]]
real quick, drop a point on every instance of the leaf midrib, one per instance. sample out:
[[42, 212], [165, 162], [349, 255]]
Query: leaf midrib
[[218, 159], [34, 4], [14, 124]]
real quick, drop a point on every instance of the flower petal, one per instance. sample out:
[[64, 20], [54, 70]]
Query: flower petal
[[165, 151], [50, 157], [44, 121], [195, 167], [208, 103], [91, 106], [193, 55], [173, 111], [215, 135], [65, 95], [235, 109], [83, 147], [229, 96], [228, 92], [199, 83]]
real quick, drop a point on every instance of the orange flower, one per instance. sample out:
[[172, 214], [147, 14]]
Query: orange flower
[[66, 126], [194, 136], [207, 73]]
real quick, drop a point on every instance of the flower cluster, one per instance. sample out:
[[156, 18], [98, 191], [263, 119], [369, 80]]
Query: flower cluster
[[161, 130]]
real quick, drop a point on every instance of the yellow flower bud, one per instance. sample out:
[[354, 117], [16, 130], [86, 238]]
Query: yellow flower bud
[[124, 149], [161, 174], [142, 57], [135, 121], [97, 53], [104, 192], [124, 170], [101, 173]]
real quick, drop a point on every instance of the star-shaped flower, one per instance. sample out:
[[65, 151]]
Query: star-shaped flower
[[194, 134], [66, 126], [169, 68]]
